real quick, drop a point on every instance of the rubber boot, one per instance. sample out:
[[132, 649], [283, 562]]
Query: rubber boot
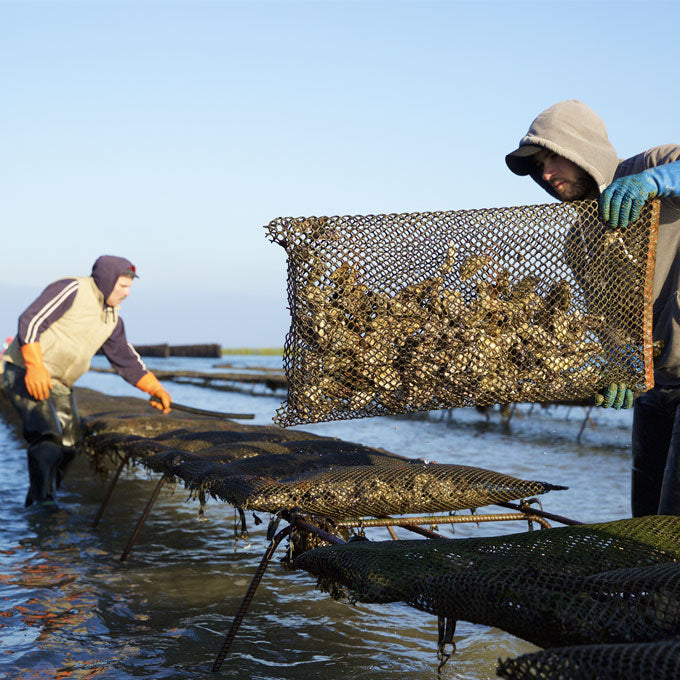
[[651, 437], [44, 459], [48, 426], [71, 432], [67, 456]]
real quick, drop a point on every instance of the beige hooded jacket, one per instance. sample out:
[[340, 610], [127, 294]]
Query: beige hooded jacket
[[574, 131]]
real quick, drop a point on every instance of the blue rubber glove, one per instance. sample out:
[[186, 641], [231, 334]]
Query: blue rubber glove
[[617, 395], [622, 201]]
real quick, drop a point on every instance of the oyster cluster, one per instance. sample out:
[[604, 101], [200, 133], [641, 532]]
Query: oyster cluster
[[428, 345], [391, 489]]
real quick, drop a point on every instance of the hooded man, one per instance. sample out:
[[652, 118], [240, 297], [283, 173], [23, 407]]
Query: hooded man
[[57, 337], [568, 153]]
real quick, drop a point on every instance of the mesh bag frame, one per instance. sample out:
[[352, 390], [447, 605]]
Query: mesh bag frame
[[609, 582], [421, 311]]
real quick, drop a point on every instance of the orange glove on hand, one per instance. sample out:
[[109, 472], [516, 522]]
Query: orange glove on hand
[[38, 380], [149, 383]]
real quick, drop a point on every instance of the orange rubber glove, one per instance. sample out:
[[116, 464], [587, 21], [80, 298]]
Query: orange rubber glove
[[149, 383], [38, 380]]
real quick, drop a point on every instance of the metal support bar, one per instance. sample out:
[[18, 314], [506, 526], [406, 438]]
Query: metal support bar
[[446, 647], [109, 491], [203, 412], [450, 519], [419, 530], [412, 528], [250, 593], [585, 421], [324, 535], [142, 519], [542, 513]]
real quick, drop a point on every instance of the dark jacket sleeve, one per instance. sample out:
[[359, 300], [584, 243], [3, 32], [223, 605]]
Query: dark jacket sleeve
[[51, 304], [123, 356]]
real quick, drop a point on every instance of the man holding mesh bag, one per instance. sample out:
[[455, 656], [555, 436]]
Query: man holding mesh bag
[[567, 152]]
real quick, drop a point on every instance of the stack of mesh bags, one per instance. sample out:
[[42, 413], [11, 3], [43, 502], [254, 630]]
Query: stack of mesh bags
[[580, 592]]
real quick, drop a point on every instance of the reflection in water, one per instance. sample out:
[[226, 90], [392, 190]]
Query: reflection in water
[[51, 626], [70, 609]]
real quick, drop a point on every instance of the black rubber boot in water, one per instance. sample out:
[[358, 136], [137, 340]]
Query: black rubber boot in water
[[44, 459]]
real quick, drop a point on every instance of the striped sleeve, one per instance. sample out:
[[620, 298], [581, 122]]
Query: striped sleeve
[[123, 356], [50, 305]]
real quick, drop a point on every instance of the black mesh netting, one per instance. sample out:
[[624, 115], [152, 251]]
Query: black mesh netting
[[593, 586], [270, 469], [607, 583], [330, 478], [610, 582], [422, 311], [646, 660], [386, 487]]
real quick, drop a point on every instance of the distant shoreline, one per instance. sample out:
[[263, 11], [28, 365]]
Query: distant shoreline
[[254, 350]]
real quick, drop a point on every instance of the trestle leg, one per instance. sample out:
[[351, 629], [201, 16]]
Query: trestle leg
[[250, 593], [109, 491], [142, 519]]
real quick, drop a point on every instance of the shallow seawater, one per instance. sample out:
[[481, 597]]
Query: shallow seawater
[[69, 608]]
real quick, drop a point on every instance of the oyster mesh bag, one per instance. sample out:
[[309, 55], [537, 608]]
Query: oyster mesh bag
[[387, 486], [612, 582], [657, 660], [399, 313], [272, 469]]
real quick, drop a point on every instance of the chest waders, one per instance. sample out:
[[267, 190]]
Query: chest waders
[[52, 430], [655, 482]]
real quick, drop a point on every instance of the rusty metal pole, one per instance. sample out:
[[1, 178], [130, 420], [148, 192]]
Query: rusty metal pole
[[142, 519], [109, 491], [257, 577], [541, 513], [250, 593]]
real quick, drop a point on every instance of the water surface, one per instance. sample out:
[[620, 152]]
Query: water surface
[[70, 609]]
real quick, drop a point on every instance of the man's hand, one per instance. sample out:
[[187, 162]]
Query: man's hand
[[161, 400], [149, 383], [38, 380], [617, 395], [623, 200]]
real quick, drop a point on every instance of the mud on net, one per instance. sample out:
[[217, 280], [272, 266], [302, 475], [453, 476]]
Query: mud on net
[[422, 311]]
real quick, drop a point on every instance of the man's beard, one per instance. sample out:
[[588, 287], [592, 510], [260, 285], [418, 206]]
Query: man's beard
[[579, 190]]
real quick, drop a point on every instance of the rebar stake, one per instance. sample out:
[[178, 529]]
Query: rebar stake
[[542, 513], [250, 593], [109, 491], [142, 519]]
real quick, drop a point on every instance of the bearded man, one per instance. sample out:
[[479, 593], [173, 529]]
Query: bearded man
[[567, 152]]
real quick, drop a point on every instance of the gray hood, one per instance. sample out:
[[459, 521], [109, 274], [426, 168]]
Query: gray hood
[[574, 131]]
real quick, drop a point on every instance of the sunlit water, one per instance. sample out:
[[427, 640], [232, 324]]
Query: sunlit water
[[70, 609]]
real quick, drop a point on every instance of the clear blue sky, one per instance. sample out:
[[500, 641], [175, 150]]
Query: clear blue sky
[[172, 132]]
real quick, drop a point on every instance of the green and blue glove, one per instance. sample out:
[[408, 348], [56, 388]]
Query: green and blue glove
[[622, 201], [616, 396]]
